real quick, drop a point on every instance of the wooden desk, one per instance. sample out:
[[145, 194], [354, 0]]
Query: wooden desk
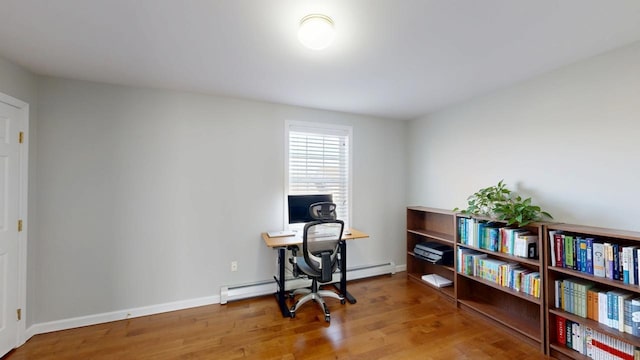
[[288, 242]]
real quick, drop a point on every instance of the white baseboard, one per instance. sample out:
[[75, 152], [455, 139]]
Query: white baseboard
[[65, 324], [227, 293], [243, 291]]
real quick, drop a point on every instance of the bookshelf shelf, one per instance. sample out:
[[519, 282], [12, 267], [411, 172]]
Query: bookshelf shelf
[[526, 297], [523, 327], [560, 269], [446, 238], [503, 256], [428, 225], [562, 352], [600, 280]]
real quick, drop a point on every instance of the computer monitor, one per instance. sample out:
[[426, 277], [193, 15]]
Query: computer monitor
[[299, 206]]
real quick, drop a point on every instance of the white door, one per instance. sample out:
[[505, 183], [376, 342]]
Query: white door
[[9, 202]]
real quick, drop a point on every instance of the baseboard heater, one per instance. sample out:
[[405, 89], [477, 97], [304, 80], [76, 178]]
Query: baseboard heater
[[243, 291]]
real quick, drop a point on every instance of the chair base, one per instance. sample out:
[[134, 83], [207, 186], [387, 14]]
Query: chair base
[[316, 296]]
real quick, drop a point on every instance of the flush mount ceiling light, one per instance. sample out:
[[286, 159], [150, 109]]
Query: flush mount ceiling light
[[316, 31]]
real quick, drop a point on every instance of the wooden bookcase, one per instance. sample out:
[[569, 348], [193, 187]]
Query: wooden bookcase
[[554, 272], [520, 313], [534, 319], [426, 225]]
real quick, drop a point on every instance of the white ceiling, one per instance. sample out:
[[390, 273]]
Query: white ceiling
[[391, 58]]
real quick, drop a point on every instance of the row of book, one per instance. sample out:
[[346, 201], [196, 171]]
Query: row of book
[[602, 259], [506, 274], [496, 237], [592, 343], [617, 309]]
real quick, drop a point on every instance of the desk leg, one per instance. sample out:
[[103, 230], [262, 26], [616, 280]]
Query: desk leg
[[281, 295], [342, 286]]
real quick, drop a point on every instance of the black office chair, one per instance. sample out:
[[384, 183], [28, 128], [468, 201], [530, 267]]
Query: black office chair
[[320, 249]]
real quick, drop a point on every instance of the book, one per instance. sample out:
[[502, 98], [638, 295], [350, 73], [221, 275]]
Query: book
[[588, 336], [569, 333], [462, 230], [628, 252], [522, 244], [568, 252], [596, 304], [577, 338], [561, 329], [627, 323], [608, 259], [635, 266], [635, 317], [493, 237], [625, 264], [582, 288], [479, 234], [437, 280], [552, 247], [559, 248], [616, 304], [603, 313], [598, 260], [616, 261], [508, 236], [589, 262], [581, 263], [558, 294], [591, 293]]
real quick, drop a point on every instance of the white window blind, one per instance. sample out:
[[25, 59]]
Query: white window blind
[[319, 163]]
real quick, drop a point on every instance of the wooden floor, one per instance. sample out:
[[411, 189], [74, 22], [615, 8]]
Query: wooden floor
[[393, 319]]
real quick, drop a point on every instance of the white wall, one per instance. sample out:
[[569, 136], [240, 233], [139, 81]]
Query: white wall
[[569, 139], [146, 196], [17, 82]]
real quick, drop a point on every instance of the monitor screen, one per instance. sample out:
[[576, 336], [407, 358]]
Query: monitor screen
[[299, 206]]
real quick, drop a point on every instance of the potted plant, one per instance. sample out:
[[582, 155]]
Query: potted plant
[[484, 201], [501, 203]]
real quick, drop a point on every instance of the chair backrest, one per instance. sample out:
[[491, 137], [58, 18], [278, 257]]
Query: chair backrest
[[323, 211], [320, 245]]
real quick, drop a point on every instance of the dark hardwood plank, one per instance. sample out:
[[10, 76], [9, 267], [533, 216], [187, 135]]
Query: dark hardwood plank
[[394, 319]]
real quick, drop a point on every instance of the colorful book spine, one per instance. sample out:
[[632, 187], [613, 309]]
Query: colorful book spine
[[568, 251], [561, 330], [616, 261], [635, 266], [599, 260], [635, 317], [582, 255], [552, 247], [589, 261], [559, 246], [608, 249]]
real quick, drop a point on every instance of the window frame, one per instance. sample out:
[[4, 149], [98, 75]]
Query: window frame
[[322, 129]]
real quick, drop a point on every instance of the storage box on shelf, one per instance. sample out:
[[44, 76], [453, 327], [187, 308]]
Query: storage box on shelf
[[493, 281], [428, 225], [592, 282]]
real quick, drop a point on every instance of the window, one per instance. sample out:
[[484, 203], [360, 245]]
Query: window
[[318, 161]]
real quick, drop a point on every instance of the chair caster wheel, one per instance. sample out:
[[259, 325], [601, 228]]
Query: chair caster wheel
[[343, 301], [327, 318], [293, 315]]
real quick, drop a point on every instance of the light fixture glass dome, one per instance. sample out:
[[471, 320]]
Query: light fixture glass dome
[[316, 31]]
